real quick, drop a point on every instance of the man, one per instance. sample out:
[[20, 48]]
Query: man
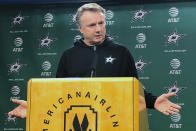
[[96, 55]]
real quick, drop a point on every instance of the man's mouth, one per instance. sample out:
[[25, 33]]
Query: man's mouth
[[98, 36]]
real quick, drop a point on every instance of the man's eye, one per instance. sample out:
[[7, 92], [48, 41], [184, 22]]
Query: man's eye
[[92, 25]]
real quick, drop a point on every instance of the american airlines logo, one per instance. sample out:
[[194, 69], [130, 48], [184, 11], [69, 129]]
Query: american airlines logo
[[81, 121]]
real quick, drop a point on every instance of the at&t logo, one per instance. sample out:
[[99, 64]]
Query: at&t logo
[[18, 43], [175, 64], [173, 12], [77, 37], [109, 16], [48, 17], [15, 90], [176, 117], [46, 66], [141, 38]]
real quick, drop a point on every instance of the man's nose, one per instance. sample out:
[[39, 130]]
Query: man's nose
[[98, 28]]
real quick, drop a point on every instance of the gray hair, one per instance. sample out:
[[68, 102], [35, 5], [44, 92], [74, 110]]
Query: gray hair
[[88, 7]]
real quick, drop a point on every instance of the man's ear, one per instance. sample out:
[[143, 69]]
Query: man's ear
[[80, 28]]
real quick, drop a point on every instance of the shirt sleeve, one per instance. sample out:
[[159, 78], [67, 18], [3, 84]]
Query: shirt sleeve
[[61, 70], [149, 97]]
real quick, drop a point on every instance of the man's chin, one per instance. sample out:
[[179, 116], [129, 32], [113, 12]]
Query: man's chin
[[96, 42]]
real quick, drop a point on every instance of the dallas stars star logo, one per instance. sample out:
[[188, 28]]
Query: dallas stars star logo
[[10, 119], [15, 67], [173, 38], [111, 37], [140, 64], [109, 60], [175, 89], [140, 14], [73, 19], [46, 42], [18, 19]]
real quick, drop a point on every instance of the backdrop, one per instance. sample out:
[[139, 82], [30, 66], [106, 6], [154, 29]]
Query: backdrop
[[161, 38]]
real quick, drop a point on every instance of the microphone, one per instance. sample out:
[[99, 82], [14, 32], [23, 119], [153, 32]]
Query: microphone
[[94, 63]]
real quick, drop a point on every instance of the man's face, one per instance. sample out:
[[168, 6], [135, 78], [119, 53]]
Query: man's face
[[92, 26]]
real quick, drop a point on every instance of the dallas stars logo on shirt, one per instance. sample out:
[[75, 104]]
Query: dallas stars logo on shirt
[[109, 60]]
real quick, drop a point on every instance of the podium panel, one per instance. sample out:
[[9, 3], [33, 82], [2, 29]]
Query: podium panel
[[85, 104]]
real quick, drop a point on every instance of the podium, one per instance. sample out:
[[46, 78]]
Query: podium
[[86, 104]]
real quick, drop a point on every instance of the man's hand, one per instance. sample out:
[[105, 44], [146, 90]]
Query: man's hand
[[21, 110], [165, 106]]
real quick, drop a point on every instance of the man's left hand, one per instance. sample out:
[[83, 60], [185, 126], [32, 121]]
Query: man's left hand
[[165, 106]]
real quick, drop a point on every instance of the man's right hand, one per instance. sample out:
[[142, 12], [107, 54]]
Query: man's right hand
[[21, 110]]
